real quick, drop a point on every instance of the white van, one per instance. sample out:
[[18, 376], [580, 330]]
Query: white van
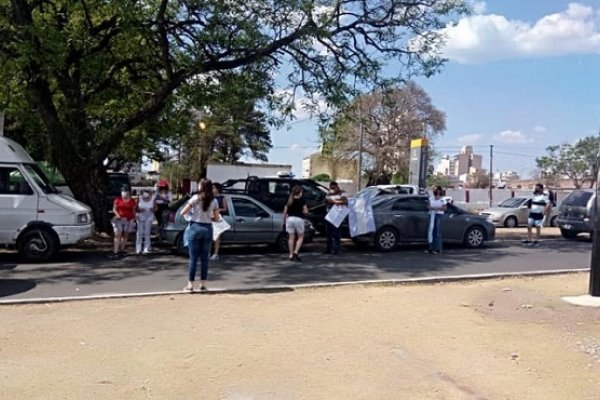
[[35, 217]]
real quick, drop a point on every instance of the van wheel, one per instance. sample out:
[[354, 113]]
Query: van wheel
[[38, 245], [510, 222]]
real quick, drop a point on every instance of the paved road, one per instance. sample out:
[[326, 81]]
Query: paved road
[[81, 273]]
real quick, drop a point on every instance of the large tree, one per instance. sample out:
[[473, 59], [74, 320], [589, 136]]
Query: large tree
[[383, 123], [578, 161], [81, 76]]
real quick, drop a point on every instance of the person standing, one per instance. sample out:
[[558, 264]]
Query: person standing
[[146, 208], [539, 205], [205, 211], [124, 209], [437, 207], [222, 202], [163, 200], [336, 197], [293, 221]]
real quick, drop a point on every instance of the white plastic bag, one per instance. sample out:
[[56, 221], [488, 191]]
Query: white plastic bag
[[219, 228]]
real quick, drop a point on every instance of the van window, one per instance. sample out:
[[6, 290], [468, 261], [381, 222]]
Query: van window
[[578, 198], [277, 188], [40, 178], [13, 182], [312, 194], [411, 204]]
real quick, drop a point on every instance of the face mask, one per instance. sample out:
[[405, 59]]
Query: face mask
[[436, 193], [125, 194], [537, 191], [146, 195]]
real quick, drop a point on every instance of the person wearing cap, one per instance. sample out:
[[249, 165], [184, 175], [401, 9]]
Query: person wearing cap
[[146, 207], [124, 208]]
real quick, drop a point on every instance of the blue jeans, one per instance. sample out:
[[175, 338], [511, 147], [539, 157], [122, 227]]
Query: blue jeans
[[200, 239], [334, 237], [435, 244]]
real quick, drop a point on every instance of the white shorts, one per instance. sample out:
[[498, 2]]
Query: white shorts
[[121, 225], [535, 222], [294, 225]]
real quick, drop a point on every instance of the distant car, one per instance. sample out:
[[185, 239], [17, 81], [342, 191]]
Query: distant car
[[405, 219], [514, 212], [251, 223], [576, 213]]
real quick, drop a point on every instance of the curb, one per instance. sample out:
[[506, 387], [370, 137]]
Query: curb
[[291, 288]]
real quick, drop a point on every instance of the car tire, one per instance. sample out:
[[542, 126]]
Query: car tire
[[38, 245], [179, 248], [282, 242], [386, 239], [511, 222], [568, 234], [553, 222], [474, 237]]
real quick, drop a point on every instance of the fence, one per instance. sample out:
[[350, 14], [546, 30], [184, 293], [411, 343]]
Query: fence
[[479, 199]]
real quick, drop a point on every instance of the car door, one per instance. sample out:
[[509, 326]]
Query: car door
[[252, 223], [523, 212], [18, 203], [410, 216]]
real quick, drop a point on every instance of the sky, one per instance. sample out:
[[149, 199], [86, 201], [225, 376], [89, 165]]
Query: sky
[[522, 75]]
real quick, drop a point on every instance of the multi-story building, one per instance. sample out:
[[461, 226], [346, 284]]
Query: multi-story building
[[460, 165]]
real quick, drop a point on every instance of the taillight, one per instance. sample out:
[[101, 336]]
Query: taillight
[[171, 217]]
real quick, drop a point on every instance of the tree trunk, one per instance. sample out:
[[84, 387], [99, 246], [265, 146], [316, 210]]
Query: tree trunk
[[90, 186]]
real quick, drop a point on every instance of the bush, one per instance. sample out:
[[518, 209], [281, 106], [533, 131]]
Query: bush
[[322, 178]]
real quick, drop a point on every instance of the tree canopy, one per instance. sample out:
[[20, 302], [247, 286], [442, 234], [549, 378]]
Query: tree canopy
[[80, 78], [578, 161]]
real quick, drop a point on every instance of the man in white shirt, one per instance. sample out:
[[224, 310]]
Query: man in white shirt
[[539, 205]]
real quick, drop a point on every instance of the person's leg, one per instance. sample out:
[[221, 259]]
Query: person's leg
[[529, 232], [291, 241], [117, 241], [430, 233], [139, 237], [147, 236], [438, 233], [205, 243], [337, 239], [299, 243], [194, 250], [329, 232], [215, 255], [538, 232]]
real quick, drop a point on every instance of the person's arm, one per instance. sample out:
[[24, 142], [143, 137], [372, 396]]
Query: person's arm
[[186, 209], [329, 200], [216, 216], [117, 215], [285, 211], [305, 210], [343, 201], [225, 206]]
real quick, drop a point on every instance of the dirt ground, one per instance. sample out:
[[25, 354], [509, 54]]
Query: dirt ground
[[496, 339]]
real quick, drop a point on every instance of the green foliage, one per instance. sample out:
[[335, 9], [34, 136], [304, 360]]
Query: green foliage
[[438, 180], [322, 178], [578, 161]]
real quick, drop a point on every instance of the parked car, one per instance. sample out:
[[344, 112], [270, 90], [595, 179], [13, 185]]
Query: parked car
[[274, 192], [576, 213], [405, 219], [514, 212], [34, 216], [251, 223]]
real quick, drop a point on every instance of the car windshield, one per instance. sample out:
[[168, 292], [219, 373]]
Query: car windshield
[[40, 178], [512, 203], [578, 199]]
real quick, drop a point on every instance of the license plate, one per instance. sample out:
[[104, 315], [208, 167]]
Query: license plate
[[567, 226]]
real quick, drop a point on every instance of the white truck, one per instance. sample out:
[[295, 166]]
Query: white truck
[[34, 216]]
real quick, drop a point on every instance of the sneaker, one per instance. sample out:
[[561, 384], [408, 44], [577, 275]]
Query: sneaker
[[436, 252], [214, 257], [296, 257], [428, 251], [146, 253], [525, 241]]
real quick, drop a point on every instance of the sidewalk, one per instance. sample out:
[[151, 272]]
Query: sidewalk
[[496, 339]]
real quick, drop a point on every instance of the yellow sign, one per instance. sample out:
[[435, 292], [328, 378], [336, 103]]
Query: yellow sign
[[419, 143]]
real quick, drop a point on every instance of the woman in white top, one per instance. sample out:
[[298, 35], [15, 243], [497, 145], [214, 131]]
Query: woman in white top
[[146, 207], [205, 211], [437, 207]]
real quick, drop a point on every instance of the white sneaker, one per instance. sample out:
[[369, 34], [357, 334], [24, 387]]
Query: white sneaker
[[214, 257]]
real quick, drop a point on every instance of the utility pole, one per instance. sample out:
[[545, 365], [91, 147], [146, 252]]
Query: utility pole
[[491, 171], [595, 265]]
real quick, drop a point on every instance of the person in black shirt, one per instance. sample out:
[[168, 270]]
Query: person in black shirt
[[293, 221]]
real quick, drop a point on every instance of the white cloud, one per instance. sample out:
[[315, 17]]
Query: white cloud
[[479, 7], [470, 139], [512, 137], [540, 129], [479, 38]]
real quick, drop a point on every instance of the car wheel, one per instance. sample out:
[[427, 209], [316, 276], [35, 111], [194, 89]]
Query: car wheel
[[567, 234], [38, 245], [475, 237], [510, 222], [179, 247], [553, 222], [386, 239], [282, 242]]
